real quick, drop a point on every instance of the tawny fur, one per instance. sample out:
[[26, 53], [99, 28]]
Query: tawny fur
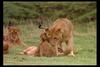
[[6, 44], [61, 31], [45, 48], [11, 37], [5, 47], [14, 35]]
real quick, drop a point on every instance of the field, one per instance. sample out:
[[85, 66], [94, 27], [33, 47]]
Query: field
[[84, 40], [82, 15]]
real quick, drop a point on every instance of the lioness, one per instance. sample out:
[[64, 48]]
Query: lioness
[[44, 48], [61, 31], [14, 35]]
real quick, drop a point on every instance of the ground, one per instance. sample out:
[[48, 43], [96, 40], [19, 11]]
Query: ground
[[85, 48]]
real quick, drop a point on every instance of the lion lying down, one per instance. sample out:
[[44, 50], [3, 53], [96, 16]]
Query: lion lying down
[[11, 36], [44, 49]]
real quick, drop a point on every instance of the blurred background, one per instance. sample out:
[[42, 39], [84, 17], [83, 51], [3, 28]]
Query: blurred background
[[47, 12]]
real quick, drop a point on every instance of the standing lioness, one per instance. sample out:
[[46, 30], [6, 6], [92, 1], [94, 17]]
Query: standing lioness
[[61, 31]]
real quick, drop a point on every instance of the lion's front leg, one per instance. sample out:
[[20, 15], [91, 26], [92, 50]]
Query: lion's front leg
[[70, 47], [56, 49]]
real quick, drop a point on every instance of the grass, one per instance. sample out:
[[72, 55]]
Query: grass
[[85, 48]]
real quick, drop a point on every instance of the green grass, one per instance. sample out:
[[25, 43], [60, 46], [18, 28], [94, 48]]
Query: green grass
[[85, 48], [77, 11]]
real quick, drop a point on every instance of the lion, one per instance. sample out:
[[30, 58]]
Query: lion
[[60, 31], [11, 37], [45, 48], [42, 50], [14, 35]]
